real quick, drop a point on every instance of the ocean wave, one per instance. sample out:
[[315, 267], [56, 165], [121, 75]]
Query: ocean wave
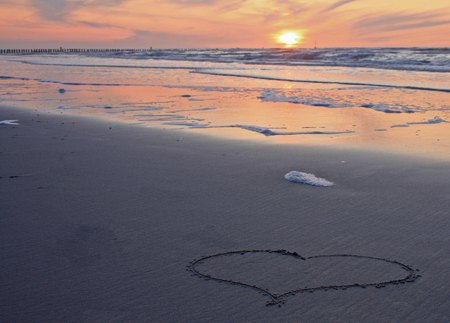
[[407, 59], [346, 79]]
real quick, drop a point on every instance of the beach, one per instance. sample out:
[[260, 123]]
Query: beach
[[101, 221]]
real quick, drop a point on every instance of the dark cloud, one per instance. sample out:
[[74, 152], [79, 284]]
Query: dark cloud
[[337, 5]]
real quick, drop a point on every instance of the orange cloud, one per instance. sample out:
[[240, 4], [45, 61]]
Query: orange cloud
[[225, 23]]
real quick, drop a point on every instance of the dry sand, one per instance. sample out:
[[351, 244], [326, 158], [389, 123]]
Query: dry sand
[[99, 220]]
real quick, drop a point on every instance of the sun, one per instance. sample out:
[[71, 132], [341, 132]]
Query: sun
[[289, 38]]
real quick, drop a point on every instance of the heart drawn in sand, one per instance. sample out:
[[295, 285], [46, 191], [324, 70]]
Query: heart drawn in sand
[[290, 273]]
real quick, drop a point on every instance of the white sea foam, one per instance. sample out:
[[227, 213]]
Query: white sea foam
[[306, 178], [164, 118], [67, 107], [67, 83], [430, 121], [277, 96], [9, 122], [158, 115], [8, 99], [270, 132], [298, 97], [140, 109], [204, 109], [388, 109], [262, 130], [144, 104], [188, 124]]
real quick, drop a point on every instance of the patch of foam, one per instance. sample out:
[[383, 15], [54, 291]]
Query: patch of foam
[[202, 109], [66, 83], [258, 129], [9, 122], [140, 109], [386, 109], [400, 125], [329, 102], [188, 124], [164, 118], [11, 99], [158, 115], [276, 96], [270, 132], [430, 121], [67, 107], [143, 104], [306, 178]]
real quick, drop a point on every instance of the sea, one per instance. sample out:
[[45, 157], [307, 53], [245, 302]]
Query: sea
[[390, 97]]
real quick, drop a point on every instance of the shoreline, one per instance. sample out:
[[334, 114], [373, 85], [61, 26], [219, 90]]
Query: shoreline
[[339, 142], [100, 219]]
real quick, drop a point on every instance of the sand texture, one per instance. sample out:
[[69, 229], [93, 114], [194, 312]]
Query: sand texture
[[102, 221]]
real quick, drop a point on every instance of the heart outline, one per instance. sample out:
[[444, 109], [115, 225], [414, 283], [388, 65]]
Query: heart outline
[[278, 299]]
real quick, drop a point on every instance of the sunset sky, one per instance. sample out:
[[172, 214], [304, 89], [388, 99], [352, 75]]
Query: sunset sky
[[222, 23]]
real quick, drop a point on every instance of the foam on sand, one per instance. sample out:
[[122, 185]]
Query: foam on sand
[[262, 130], [9, 122], [188, 124], [269, 132], [435, 120], [63, 107], [430, 121], [306, 178]]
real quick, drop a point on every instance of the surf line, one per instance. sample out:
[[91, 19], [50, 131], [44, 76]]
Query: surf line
[[278, 299], [408, 87]]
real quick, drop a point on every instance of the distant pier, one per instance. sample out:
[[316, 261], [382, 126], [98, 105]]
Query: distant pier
[[87, 50], [67, 50]]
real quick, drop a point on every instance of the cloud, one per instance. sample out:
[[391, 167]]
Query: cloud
[[96, 24], [369, 21], [53, 9], [336, 5], [220, 6], [417, 25], [195, 2], [377, 39], [59, 10], [399, 21], [168, 39], [282, 12]]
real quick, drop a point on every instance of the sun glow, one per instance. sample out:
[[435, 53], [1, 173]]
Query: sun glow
[[289, 38]]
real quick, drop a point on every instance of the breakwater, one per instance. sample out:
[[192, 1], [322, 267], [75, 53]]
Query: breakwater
[[67, 50]]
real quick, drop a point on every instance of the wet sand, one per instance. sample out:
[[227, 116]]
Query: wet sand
[[101, 221]]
